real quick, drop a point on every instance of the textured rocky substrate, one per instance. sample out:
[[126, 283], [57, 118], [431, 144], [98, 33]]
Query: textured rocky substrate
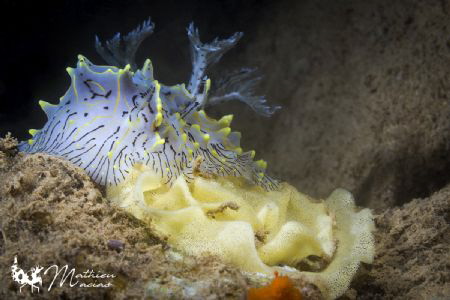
[[52, 213]]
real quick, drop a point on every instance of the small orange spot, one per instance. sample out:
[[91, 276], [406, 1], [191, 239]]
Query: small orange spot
[[281, 288]]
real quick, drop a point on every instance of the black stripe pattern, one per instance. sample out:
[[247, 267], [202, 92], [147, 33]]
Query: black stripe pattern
[[113, 119]]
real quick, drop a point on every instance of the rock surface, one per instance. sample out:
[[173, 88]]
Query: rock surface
[[365, 87]]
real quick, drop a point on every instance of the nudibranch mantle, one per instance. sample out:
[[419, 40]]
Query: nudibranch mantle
[[112, 118]]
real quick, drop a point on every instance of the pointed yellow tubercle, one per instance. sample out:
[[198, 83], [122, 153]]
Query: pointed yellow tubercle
[[33, 131], [81, 62], [125, 70], [147, 64], [214, 152], [196, 127], [158, 119], [110, 155], [196, 145], [31, 141], [261, 163], [159, 141], [252, 154], [157, 87], [184, 137], [43, 104], [206, 137], [158, 99], [225, 131], [238, 150], [69, 70], [184, 90], [202, 114], [207, 86], [226, 120]]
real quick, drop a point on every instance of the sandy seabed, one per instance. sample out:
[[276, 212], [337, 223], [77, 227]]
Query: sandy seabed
[[52, 213]]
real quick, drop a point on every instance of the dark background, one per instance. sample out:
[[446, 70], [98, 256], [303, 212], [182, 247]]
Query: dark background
[[39, 39]]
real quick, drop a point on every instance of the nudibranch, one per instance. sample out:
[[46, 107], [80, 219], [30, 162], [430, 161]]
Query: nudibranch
[[112, 118], [166, 162]]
